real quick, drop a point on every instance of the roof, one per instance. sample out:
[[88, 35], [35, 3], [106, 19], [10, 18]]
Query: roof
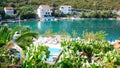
[[8, 8], [45, 6], [65, 6]]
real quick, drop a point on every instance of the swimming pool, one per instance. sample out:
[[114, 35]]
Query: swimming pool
[[53, 51]]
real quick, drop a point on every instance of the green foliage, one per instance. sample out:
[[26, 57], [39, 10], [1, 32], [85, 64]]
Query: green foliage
[[4, 35], [25, 8], [5, 16], [26, 12], [48, 33], [28, 15], [79, 4], [94, 36], [64, 35], [9, 16], [74, 34], [100, 35], [58, 13], [2, 13], [75, 54], [98, 14], [8, 57], [35, 57], [83, 15], [78, 54], [17, 28], [25, 38], [112, 58]]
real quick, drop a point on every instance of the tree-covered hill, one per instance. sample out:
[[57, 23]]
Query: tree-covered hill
[[25, 8], [79, 4]]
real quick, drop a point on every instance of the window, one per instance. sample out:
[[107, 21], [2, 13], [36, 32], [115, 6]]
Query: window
[[62, 7], [46, 13]]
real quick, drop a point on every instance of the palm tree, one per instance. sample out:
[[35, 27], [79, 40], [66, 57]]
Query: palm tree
[[24, 39]]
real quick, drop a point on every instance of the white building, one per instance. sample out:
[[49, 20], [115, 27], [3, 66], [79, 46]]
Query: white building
[[9, 10], [44, 12], [66, 9], [116, 12]]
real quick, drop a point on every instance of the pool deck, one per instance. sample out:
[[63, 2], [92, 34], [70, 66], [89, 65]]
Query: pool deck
[[54, 42], [53, 46]]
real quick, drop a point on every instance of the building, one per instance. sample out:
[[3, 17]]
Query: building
[[9, 10], [66, 9], [116, 12], [45, 12]]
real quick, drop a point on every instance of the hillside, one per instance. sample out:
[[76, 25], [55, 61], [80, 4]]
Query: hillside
[[79, 4]]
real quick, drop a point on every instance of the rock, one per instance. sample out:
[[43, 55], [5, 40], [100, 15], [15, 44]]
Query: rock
[[116, 45]]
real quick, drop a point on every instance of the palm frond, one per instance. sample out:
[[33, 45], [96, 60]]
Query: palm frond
[[18, 28], [26, 35]]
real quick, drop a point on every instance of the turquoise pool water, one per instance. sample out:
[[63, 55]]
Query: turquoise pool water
[[53, 51], [111, 27]]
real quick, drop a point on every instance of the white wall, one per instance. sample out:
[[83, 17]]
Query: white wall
[[42, 12], [65, 9], [9, 12], [116, 11]]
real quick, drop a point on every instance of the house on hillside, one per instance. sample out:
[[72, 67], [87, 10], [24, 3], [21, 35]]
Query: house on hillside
[[9, 10], [66, 9], [116, 12], [44, 12]]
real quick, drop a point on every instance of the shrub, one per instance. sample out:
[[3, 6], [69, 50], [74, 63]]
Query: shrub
[[94, 36], [9, 16], [98, 14], [78, 54], [35, 57]]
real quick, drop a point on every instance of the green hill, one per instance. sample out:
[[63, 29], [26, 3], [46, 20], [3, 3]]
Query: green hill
[[79, 4]]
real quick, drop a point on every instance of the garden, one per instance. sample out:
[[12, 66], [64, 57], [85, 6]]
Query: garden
[[92, 51]]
